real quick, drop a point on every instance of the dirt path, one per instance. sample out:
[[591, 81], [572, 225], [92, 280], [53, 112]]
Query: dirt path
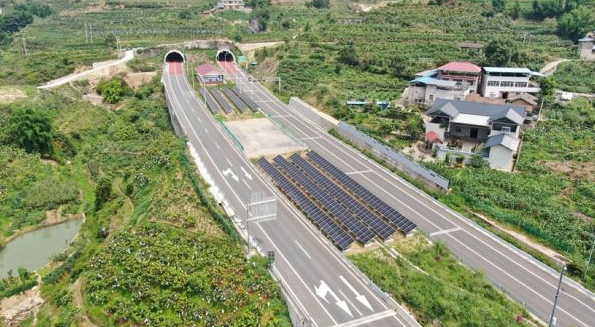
[[550, 68], [78, 302], [18, 307]]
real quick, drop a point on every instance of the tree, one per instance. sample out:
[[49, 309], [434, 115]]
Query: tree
[[548, 86], [321, 3], [500, 52], [348, 56], [477, 161], [516, 11], [498, 5], [103, 192], [576, 23], [32, 130], [111, 90], [185, 14]]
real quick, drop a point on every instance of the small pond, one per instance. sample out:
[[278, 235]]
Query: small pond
[[34, 249]]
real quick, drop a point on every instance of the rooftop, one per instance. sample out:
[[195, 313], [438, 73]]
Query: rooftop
[[458, 66], [489, 111], [208, 69], [511, 70], [506, 140], [434, 81]]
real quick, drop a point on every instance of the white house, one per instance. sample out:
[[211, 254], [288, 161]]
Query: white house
[[500, 82], [231, 4], [586, 47], [494, 128]]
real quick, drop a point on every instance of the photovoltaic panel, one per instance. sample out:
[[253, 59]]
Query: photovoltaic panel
[[393, 216], [361, 232], [375, 223], [333, 231], [221, 100], [211, 103], [246, 97], [234, 98]]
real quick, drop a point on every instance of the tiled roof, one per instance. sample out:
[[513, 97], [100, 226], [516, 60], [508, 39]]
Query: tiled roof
[[494, 111], [208, 69], [457, 66], [506, 140], [432, 137]]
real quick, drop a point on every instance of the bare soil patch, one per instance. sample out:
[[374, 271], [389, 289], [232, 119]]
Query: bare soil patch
[[11, 94], [17, 308], [136, 80], [573, 168]]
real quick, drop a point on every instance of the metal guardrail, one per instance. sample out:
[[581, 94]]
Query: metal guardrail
[[391, 156], [232, 135], [283, 128]]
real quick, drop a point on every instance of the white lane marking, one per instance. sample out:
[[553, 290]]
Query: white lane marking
[[359, 172], [347, 265], [229, 162], [228, 172], [217, 145], [324, 289], [249, 176], [310, 138], [348, 301], [303, 250], [206, 130], [248, 186], [295, 272], [445, 231], [244, 206], [518, 281], [200, 121], [360, 297], [369, 319]]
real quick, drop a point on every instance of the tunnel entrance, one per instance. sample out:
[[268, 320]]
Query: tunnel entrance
[[225, 55], [174, 56]]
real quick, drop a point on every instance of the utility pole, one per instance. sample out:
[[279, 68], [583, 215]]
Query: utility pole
[[25, 52], [552, 318], [589, 260], [86, 33]]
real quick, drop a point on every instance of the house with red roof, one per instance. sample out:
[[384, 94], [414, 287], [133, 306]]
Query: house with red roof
[[209, 74], [460, 72]]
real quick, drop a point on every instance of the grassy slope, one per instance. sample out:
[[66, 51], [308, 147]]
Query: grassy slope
[[576, 76]]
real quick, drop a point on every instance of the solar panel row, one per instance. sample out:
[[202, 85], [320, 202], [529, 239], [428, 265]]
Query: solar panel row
[[361, 232], [333, 231], [234, 98], [219, 97], [392, 215], [375, 223], [246, 98], [211, 103]]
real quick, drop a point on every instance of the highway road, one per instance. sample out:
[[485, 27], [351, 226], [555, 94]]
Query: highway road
[[526, 280], [315, 274]]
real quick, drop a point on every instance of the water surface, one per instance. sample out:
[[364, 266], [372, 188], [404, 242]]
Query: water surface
[[34, 249]]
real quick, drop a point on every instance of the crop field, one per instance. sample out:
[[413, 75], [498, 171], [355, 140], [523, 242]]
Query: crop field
[[576, 76]]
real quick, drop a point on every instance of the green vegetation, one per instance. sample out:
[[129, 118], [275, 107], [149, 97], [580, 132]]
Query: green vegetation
[[16, 284], [437, 288], [30, 129], [576, 76]]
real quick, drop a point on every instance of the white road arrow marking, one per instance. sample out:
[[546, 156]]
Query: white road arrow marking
[[246, 173], [228, 172], [359, 297], [323, 290]]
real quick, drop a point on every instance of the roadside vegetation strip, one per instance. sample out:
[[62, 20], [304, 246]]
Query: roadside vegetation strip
[[222, 220], [444, 292]]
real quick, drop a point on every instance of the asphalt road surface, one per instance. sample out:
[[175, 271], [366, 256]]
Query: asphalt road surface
[[526, 280], [316, 275]]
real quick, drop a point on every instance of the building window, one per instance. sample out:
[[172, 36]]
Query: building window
[[458, 129], [520, 84], [431, 97], [507, 84], [493, 83]]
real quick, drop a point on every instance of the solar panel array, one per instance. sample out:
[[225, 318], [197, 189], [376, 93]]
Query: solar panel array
[[333, 231], [211, 103], [234, 98], [362, 233], [375, 223], [246, 98], [219, 97], [393, 216]]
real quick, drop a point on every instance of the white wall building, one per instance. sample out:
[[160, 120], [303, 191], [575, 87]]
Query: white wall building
[[500, 82]]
